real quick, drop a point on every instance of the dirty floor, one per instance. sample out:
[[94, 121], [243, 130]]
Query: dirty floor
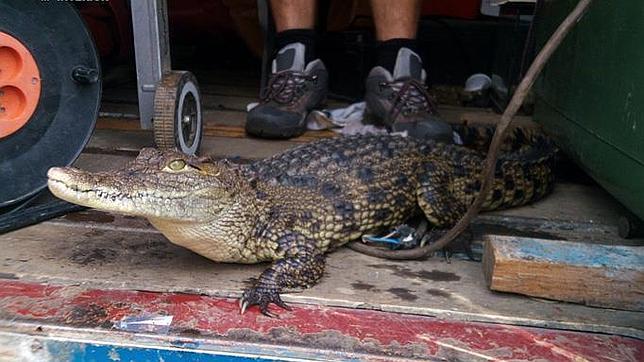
[[99, 250]]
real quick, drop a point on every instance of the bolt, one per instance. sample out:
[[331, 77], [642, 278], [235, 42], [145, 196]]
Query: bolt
[[84, 75]]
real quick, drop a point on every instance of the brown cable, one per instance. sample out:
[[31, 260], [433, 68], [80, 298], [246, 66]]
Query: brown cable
[[487, 176]]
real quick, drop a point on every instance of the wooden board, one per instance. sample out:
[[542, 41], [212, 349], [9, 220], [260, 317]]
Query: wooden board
[[596, 275], [131, 142], [230, 111], [49, 322], [100, 250], [219, 128], [103, 250]]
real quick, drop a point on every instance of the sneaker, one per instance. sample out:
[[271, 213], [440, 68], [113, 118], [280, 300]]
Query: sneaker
[[400, 101], [293, 90]]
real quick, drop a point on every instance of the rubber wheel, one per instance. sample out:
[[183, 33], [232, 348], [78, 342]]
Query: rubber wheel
[[49, 108], [177, 117]]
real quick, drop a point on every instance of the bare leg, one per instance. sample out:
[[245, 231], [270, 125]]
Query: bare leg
[[293, 14], [395, 19], [398, 59], [297, 83]]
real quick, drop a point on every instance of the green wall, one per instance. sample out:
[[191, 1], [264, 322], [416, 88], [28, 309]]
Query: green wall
[[590, 96]]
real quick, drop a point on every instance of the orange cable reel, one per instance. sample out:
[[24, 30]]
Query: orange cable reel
[[19, 85]]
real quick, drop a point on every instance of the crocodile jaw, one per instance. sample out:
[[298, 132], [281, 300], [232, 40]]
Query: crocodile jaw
[[82, 188], [101, 191]]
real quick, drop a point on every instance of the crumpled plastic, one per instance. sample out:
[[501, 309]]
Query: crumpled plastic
[[145, 323], [347, 120]]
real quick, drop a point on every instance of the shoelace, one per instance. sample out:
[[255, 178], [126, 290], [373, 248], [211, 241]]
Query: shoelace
[[286, 87], [410, 97]]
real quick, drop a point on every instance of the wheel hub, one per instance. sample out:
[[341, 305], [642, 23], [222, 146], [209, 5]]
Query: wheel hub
[[189, 119]]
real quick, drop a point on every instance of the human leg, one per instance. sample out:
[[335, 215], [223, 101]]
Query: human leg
[[298, 81], [395, 89]]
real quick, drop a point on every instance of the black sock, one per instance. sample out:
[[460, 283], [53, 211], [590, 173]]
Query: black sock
[[387, 51], [304, 36]]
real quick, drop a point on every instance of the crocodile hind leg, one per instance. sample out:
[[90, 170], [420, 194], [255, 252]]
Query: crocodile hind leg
[[301, 267], [440, 206]]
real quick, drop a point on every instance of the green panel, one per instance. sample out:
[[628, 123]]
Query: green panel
[[590, 96], [619, 174]]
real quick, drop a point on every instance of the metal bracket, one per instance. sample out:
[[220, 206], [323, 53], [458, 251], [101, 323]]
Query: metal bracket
[[152, 52]]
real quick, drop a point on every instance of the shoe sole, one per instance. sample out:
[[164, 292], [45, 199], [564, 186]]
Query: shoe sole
[[275, 132]]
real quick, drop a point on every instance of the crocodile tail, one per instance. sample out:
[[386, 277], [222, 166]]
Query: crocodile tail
[[479, 138], [524, 170]]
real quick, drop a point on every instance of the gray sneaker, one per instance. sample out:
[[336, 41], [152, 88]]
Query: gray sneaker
[[293, 90], [401, 102]]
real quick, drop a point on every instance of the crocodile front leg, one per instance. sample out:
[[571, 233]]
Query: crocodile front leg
[[301, 267]]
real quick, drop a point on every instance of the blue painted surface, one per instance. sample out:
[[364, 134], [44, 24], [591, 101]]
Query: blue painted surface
[[579, 253], [87, 352]]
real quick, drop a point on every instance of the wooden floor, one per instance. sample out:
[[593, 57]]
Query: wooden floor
[[95, 249]]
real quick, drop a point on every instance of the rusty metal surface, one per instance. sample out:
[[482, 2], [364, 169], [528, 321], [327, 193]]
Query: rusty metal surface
[[43, 310]]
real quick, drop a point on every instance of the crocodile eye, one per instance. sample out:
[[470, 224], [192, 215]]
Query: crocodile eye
[[177, 165]]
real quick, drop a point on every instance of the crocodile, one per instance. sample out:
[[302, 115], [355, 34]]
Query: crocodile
[[293, 208]]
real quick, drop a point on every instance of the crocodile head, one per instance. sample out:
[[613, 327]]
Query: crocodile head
[[162, 185]]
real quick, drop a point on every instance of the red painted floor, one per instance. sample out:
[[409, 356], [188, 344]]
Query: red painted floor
[[350, 330]]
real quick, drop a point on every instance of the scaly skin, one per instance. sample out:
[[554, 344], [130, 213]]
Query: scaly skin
[[294, 207]]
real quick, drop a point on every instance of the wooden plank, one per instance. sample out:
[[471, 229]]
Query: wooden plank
[[91, 324], [223, 89], [208, 101], [130, 142], [211, 129], [590, 215], [247, 89], [596, 275], [230, 110], [102, 162], [480, 117], [230, 123], [111, 251]]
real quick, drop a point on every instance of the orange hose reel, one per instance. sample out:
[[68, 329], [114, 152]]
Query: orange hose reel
[[19, 85]]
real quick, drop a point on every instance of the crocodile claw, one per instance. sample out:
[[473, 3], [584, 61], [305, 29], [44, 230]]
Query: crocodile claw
[[261, 297]]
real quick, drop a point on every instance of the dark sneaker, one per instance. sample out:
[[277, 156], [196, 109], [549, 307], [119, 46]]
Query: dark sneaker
[[401, 102], [294, 89]]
